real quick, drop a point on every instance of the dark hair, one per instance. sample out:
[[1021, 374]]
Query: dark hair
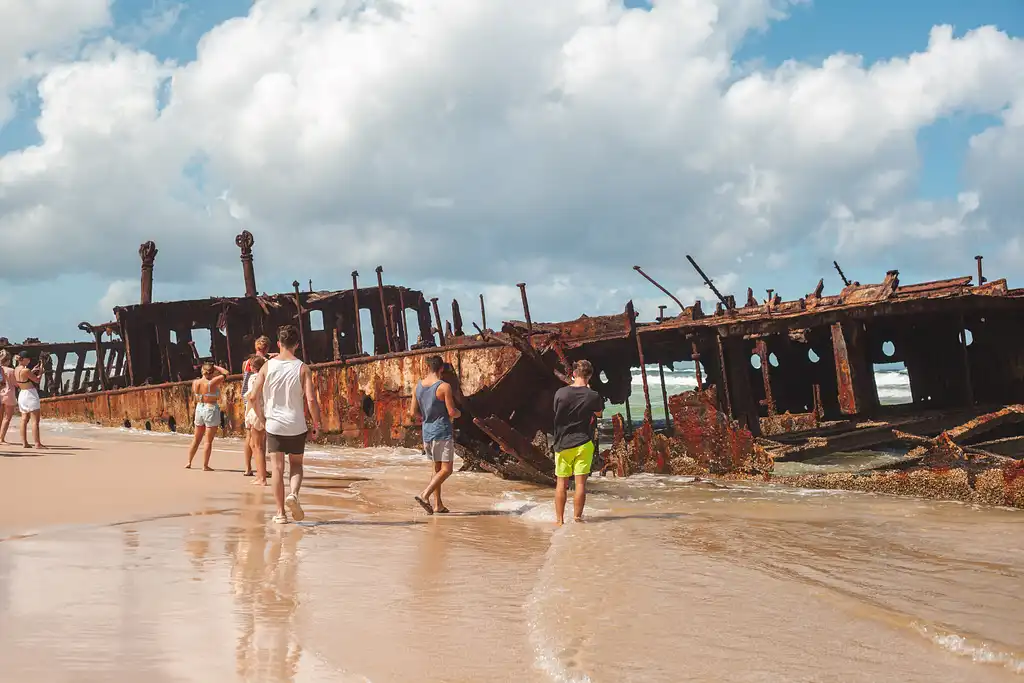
[[435, 364], [207, 369], [583, 369], [256, 362], [288, 336]]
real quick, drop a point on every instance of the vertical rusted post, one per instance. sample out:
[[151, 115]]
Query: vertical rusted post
[[762, 352], [664, 394], [640, 356], [629, 417], [457, 318], [448, 329], [661, 313], [147, 252], [483, 314], [101, 367], [695, 355], [391, 323], [526, 308], [819, 410], [244, 241], [437, 320], [355, 298], [383, 309], [981, 278], [404, 345], [725, 398], [302, 328]]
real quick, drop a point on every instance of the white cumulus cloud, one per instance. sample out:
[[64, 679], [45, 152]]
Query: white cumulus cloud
[[472, 144]]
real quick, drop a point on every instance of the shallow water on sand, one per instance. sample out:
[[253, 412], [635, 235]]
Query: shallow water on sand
[[669, 580]]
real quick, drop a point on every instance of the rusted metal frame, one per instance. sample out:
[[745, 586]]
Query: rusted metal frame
[[483, 313], [392, 324], [981, 277], [76, 384], [664, 392], [656, 284], [846, 283], [848, 403], [643, 368], [437, 321], [710, 283], [383, 308], [695, 355], [762, 352], [526, 308], [59, 372], [99, 379], [355, 299], [723, 374], [404, 333], [300, 319], [968, 383], [147, 252], [629, 418], [457, 318], [245, 241]]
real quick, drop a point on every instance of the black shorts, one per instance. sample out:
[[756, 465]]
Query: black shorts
[[291, 445]]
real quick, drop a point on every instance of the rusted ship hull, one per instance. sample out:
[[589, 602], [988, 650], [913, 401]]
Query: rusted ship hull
[[776, 380]]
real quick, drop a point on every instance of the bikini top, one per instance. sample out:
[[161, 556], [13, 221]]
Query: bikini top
[[28, 379], [216, 394]]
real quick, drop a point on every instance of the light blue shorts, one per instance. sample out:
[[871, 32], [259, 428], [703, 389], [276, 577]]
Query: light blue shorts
[[207, 415]]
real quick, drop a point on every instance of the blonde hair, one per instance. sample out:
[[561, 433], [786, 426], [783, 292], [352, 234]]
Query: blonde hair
[[263, 343], [207, 370]]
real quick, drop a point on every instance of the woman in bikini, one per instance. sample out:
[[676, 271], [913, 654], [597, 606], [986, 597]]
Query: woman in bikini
[[207, 391], [8, 394], [28, 398]]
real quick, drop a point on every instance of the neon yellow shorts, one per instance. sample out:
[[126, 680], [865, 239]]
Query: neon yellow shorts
[[574, 461]]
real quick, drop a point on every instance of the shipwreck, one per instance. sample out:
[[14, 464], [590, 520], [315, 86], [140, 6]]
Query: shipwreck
[[776, 380]]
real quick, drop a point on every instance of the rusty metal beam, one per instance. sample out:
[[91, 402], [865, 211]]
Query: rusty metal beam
[[244, 241], [355, 300], [147, 252], [299, 318], [658, 285], [383, 308], [437, 321], [526, 308], [483, 313]]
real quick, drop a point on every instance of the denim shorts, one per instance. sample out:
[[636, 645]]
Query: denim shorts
[[207, 415]]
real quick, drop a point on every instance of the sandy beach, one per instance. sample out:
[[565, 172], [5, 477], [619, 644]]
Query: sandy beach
[[118, 564]]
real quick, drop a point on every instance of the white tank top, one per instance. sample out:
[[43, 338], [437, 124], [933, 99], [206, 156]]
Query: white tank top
[[283, 398]]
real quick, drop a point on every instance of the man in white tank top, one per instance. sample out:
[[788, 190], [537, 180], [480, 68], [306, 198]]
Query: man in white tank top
[[281, 392]]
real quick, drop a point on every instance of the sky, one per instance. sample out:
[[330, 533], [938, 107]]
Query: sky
[[466, 146]]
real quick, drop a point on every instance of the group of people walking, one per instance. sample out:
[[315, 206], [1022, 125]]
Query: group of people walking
[[277, 390], [19, 388], [576, 408]]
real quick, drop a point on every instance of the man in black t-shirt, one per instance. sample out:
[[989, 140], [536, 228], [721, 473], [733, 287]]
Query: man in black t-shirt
[[576, 407]]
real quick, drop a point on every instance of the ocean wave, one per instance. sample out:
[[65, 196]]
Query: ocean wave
[[978, 651]]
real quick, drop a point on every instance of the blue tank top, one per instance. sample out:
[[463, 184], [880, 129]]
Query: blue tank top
[[436, 423]]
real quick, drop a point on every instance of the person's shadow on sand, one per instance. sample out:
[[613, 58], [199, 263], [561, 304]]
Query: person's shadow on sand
[[15, 451]]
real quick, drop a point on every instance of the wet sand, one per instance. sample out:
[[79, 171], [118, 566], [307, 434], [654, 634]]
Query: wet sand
[[119, 564]]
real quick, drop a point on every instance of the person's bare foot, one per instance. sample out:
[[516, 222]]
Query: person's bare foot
[[207, 469], [39, 445], [188, 466], [25, 445], [559, 523], [259, 482], [578, 519]]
